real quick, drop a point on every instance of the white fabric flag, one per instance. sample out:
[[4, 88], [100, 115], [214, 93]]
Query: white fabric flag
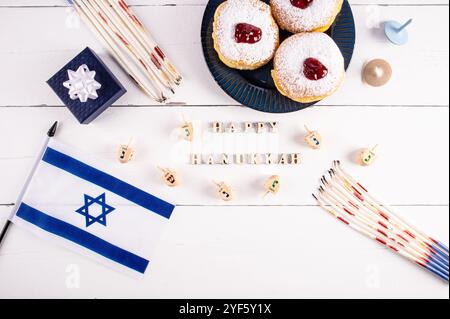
[[82, 206]]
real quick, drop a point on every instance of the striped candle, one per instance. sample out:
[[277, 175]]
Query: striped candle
[[351, 203]]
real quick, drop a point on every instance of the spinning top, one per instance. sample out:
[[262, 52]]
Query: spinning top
[[170, 177], [272, 185], [224, 192], [367, 156], [377, 72], [125, 153], [187, 130], [313, 138], [396, 32]]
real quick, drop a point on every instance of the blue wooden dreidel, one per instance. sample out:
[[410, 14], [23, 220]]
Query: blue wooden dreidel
[[397, 32]]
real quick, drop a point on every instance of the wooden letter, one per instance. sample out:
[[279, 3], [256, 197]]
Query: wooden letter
[[210, 160], [196, 159], [217, 127], [240, 159], [283, 160], [295, 159], [270, 159], [255, 159], [260, 128], [274, 126], [225, 159]]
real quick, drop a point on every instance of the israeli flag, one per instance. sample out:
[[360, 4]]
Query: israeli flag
[[81, 206]]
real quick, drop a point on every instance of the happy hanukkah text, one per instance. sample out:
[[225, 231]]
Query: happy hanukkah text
[[248, 159]]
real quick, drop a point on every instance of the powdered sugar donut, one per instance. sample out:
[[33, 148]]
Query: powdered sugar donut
[[245, 34], [305, 15], [308, 67]]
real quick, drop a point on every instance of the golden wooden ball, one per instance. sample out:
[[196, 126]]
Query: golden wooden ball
[[377, 72]]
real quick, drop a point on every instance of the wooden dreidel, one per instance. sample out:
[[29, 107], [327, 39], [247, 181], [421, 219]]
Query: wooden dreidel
[[367, 156], [272, 185], [170, 177], [224, 191], [313, 139], [125, 153], [187, 131]]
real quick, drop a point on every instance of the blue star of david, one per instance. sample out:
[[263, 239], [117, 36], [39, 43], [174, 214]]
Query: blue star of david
[[100, 200]]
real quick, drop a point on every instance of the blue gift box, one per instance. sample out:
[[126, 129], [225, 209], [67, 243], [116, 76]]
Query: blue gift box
[[102, 93]]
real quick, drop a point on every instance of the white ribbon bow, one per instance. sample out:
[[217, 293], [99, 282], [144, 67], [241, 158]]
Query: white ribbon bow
[[82, 84]]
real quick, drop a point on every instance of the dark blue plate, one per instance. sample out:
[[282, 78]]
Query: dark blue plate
[[256, 89]]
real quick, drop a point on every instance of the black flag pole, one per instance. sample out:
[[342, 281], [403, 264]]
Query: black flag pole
[[51, 132]]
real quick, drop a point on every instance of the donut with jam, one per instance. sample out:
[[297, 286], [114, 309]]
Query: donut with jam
[[298, 16], [308, 67], [245, 34]]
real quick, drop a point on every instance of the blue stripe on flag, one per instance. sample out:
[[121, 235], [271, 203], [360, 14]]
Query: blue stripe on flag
[[106, 181], [82, 238]]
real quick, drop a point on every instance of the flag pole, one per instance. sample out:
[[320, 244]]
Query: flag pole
[[51, 132]]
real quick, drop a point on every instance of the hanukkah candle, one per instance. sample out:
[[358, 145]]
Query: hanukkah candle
[[155, 52], [130, 44], [387, 213], [351, 203]]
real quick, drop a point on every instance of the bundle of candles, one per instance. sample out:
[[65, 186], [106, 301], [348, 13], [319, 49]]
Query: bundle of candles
[[352, 204], [131, 44]]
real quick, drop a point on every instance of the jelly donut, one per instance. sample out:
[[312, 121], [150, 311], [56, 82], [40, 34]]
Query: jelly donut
[[308, 67], [298, 16], [245, 34]]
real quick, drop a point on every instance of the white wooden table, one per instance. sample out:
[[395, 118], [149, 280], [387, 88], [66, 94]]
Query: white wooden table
[[277, 247]]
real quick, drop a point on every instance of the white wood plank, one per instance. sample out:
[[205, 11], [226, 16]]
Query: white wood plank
[[249, 252], [235, 252], [32, 55], [412, 167], [21, 3]]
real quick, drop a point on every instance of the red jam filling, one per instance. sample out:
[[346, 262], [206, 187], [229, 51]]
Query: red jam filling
[[247, 33], [302, 4], [314, 70]]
